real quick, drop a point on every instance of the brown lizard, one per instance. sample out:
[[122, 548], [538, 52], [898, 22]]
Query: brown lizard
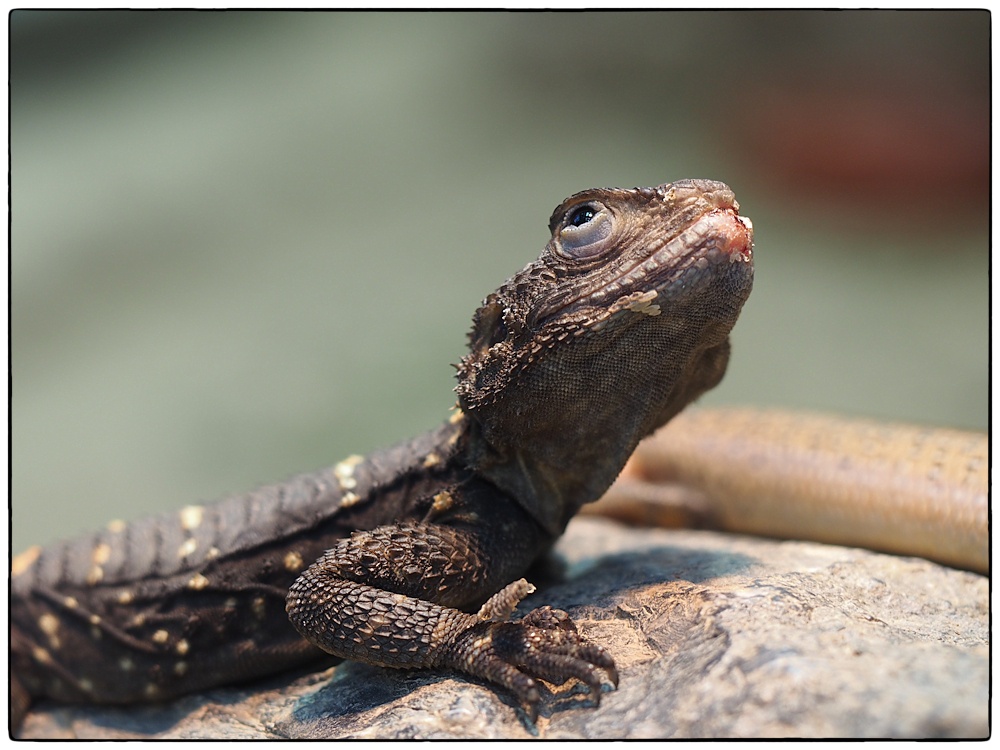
[[621, 322]]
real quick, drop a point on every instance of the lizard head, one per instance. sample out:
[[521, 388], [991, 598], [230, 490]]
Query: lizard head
[[621, 322]]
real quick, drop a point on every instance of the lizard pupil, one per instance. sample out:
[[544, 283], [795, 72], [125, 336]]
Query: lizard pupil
[[581, 216]]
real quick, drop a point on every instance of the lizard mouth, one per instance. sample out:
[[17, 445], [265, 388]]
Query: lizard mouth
[[717, 239]]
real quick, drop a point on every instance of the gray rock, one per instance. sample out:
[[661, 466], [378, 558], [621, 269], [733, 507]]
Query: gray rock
[[714, 635]]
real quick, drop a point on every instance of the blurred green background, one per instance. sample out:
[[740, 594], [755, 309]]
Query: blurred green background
[[247, 244]]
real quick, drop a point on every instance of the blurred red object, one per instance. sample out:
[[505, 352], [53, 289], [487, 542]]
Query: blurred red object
[[909, 149]]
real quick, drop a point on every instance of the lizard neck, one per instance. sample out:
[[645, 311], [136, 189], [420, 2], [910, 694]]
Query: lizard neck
[[622, 321], [553, 466]]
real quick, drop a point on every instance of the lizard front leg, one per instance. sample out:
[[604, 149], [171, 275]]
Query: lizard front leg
[[388, 597]]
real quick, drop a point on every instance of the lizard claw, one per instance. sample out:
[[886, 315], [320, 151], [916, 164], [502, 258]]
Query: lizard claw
[[544, 644]]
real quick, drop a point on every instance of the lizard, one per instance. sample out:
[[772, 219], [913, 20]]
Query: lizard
[[621, 322], [892, 487]]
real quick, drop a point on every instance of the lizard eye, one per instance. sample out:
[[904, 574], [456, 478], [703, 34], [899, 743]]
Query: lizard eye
[[580, 216], [584, 231]]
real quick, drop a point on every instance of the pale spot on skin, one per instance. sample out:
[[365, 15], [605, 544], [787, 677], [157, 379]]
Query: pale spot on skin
[[197, 582], [95, 576], [151, 690], [348, 500], [116, 526], [644, 304], [70, 603], [86, 685], [49, 624], [293, 562], [442, 502], [257, 606], [187, 548], [230, 603], [95, 619], [125, 597], [101, 554], [41, 655], [180, 668], [126, 664], [161, 636], [191, 517], [182, 646], [213, 552], [457, 417], [25, 560], [344, 472], [431, 460]]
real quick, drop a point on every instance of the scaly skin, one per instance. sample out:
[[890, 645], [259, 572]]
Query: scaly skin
[[891, 487], [620, 323]]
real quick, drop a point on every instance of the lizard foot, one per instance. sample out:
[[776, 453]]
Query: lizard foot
[[544, 645]]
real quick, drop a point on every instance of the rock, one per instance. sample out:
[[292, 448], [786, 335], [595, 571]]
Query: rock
[[714, 635]]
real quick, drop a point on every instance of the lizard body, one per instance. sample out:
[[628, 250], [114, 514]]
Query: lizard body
[[891, 487], [620, 323]]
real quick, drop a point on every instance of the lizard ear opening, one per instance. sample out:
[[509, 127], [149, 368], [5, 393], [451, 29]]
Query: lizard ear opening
[[488, 327]]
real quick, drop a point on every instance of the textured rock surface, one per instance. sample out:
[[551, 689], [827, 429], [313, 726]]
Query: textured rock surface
[[714, 636]]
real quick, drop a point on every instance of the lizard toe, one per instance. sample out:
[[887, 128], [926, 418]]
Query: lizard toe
[[554, 654]]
